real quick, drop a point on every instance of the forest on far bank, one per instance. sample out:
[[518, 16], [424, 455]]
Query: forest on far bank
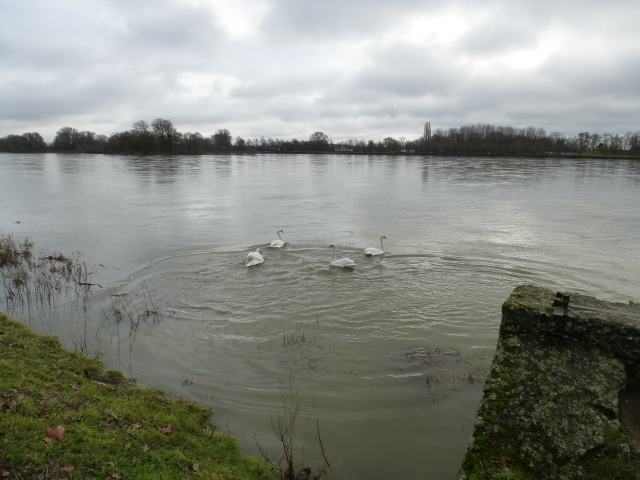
[[161, 137]]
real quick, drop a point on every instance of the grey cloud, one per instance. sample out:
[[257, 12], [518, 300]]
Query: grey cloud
[[286, 84], [341, 67], [174, 28], [405, 70], [312, 20], [498, 35]]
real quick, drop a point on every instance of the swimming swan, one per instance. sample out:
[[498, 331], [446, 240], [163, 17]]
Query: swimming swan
[[278, 243], [254, 258], [370, 251], [343, 262]]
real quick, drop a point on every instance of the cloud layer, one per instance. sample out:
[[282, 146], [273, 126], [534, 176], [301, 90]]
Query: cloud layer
[[287, 68]]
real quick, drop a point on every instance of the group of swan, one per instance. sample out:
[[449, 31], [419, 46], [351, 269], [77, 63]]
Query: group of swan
[[254, 258], [346, 262]]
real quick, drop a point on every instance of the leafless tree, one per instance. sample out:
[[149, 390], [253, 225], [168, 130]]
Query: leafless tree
[[165, 134]]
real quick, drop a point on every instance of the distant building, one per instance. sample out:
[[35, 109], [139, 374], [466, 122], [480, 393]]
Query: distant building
[[344, 148]]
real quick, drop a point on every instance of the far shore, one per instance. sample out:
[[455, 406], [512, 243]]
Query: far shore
[[586, 155]]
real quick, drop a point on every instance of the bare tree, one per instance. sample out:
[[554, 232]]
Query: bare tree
[[391, 144], [427, 132], [616, 143], [35, 142], [66, 139], [142, 137], [583, 141], [594, 142], [558, 141], [222, 139], [141, 126], [319, 141], [240, 144], [165, 134]]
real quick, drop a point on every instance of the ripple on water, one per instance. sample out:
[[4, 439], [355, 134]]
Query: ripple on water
[[343, 335]]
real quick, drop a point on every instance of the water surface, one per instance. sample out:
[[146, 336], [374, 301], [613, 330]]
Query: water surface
[[173, 232]]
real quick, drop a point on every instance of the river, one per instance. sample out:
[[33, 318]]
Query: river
[[385, 361]]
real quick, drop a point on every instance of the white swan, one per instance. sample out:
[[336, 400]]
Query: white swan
[[343, 262], [278, 243], [370, 251], [254, 258]]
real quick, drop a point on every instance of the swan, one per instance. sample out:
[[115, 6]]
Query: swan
[[343, 262], [371, 251], [254, 258], [278, 243]]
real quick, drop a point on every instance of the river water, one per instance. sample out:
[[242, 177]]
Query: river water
[[387, 360]]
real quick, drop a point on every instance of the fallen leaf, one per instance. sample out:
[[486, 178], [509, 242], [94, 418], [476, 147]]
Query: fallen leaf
[[13, 408], [27, 347], [68, 468], [23, 378], [196, 467], [145, 449], [54, 434], [134, 428], [75, 385], [166, 430], [57, 432], [115, 475]]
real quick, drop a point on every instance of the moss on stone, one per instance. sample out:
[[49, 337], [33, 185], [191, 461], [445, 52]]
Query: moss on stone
[[550, 406]]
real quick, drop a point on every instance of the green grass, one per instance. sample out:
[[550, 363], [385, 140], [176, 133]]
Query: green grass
[[112, 429], [617, 459]]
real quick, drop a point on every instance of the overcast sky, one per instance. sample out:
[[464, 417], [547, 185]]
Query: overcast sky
[[363, 69]]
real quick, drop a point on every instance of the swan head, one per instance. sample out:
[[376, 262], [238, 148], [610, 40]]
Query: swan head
[[259, 250]]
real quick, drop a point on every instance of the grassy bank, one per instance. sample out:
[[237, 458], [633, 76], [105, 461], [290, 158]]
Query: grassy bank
[[63, 416]]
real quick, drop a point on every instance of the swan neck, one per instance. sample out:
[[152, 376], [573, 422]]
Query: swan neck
[[280, 236], [382, 244], [335, 253]]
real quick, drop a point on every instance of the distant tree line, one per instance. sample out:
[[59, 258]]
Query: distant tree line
[[27, 142], [161, 137], [481, 139]]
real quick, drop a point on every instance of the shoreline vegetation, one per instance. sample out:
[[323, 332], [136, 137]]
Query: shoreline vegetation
[[161, 137], [63, 416]]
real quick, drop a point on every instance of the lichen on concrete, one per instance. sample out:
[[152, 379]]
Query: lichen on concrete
[[551, 399]]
